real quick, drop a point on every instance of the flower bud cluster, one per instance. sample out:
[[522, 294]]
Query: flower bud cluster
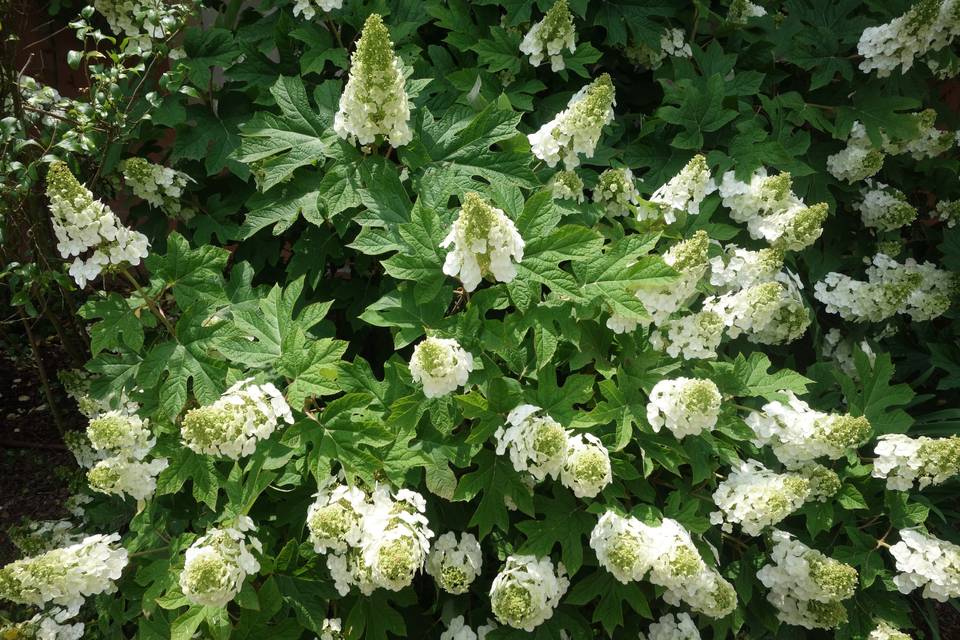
[[143, 22], [218, 562], [549, 37], [161, 187], [617, 192]]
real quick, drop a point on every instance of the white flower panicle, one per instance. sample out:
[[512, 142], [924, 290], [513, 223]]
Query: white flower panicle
[[441, 365], [755, 497], [840, 350], [859, 160], [122, 442], [919, 290], [332, 629], [903, 460], [47, 625], [768, 313], [928, 562], [947, 212], [886, 631], [740, 268], [485, 242], [233, 425], [691, 337], [685, 406], [576, 130], [34, 537], [83, 452], [65, 576], [797, 433], [309, 8], [549, 37], [672, 627], [143, 21], [623, 546], [121, 475], [527, 591], [218, 562], [567, 185], [806, 587], [928, 141], [616, 191], [335, 519], [741, 11], [86, 227], [884, 208], [536, 443], [587, 468], [117, 432], [929, 25], [455, 564], [374, 102], [161, 187], [685, 191], [673, 43], [824, 482], [458, 630]]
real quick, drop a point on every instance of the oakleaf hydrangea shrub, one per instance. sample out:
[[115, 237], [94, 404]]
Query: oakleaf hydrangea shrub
[[471, 320]]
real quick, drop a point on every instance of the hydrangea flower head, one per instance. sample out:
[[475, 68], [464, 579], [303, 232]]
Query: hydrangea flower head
[[567, 185], [928, 562], [755, 497], [576, 130], [884, 208], [455, 564], [929, 25], [616, 191], [308, 9], [526, 591], [859, 160], [161, 187], [549, 37], [672, 627], [335, 519], [537, 444], [623, 546], [686, 190], [485, 242], [903, 460], [685, 406], [587, 469], [691, 337], [218, 562], [441, 365]]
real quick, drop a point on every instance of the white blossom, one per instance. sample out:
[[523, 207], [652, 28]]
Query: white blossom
[[485, 242], [755, 497], [886, 631], [335, 519], [117, 432], [884, 208], [120, 475], [308, 9], [673, 43], [458, 630], [52, 624], [929, 25], [616, 191], [903, 460], [624, 546], [738, 268], [741, 11], [233, 425], [218, 562], [576, 130], [374, 102], [455, 564], [928, 562], [567, 185], [441, 365], [691, 337], [143, 22], [34, 537], [768, 313], [332, 629], [948, 212], [536, 444], [549, 37], [396, 537], [527, 590], [685, 191], [672, 627], [685, 406], [928, 141], [840, 349], [587, 469], [161, 187], [859, 160]]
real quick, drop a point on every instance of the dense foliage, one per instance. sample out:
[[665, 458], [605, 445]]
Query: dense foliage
[[499, 318]]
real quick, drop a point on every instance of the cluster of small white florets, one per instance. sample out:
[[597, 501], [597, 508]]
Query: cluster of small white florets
[[886, 631], [576, 130], [755, 497], [34, 537], [376, 541], [859, 160], [928, 141], [143, 21], [76, 383], [771, 211], [441, 365], [308, 8], [539, 445], [840, 349], [741, 11], [685, 406], [78, 444], [617, 192], [797, 433], [768, 313], [331, 629], [673, 43], [806, 587], [549, 37], [161, 187], [738, 268], [928, 562], [567, 185], [947, 212], [485, 242], [670, 627], [123, 442], [459, 630], [218, 562], [903, 460], [919, 290], [84, 226], [64, 577], [691, 337], [455, 564], [929, 25], [375, 101], [48, 625], [628, 549], [527, 591], [884, 208], [685, 191], [232, 426]]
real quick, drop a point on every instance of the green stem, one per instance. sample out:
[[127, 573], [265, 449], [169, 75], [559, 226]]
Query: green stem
[[151, 303]]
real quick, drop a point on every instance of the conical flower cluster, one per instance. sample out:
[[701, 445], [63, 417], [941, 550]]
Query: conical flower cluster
[[929, 25], [903, 460], [928, 562], [755, 497], [685, 191], [218, 562], [441, 365], [123, 442], [485, 242], [161, 187], [549, 37], [527, 590], [884, 208], [576, 130]]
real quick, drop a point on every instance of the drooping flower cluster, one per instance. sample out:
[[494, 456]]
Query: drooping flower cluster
[[628, 549], [567, 185], [218, 562], [88, 229], [903, 460], [928, 141], [527, 590], [143, 21], [616, 191], [374, 102], [771, 211], [686, 190], [755, 497], [884, 208], [796, 433], [768, 313], [308, 8], [455, 564], [34, 537], [886, 631], [919, 290], [64, 577], [485, 242], [123, 442], [576, 130], [685, 406], [161, 187], [670, 627], [806, 587], [859, 160], [928, 562], [376, 541], [948, 212], [929, 25], [741, 11], [441, 365], [549, 37]]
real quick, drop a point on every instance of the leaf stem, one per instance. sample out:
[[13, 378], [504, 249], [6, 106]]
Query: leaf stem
[[151, 303]]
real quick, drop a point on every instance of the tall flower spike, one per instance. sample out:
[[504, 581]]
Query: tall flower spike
[[686, 190], [441, 365], [549, 37], [374, 102], [576, 130], [485, 242]]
